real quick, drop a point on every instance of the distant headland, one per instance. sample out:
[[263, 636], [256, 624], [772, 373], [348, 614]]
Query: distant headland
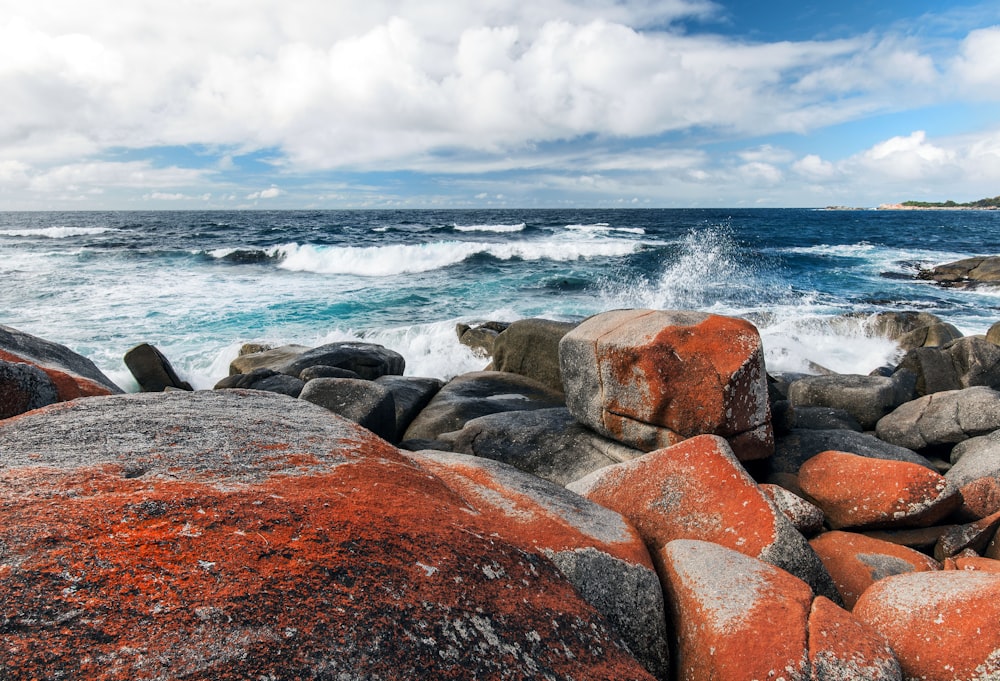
[[981, 204]]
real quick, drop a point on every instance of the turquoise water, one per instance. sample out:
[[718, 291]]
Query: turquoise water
[[199, 284]]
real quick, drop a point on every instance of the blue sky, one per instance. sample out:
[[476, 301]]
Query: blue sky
[[432, 103]]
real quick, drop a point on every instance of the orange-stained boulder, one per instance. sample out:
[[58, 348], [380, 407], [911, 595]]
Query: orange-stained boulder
[[972, 563], [652, 378], [856, 491], [73, 375], [248, 535], [806, 517], [856, 562], [600, 553], [942, 625], [698, 490], [974, 536], [735, 617], [841, 648]]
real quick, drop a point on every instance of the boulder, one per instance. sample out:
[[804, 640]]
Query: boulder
[[24, 387], [653, 378], [152, 370], [322, 371], [481, 337], [548, 443], [973, 536], [822, 418], [800, 445], [911, 329], [856, 561], [942, 625], [866, 398], [263, 379], [530, 347], [933, 336], [966, 272], [697, 489], [842, 648], [857, 491], [367, 360], [366, 403], [806, 517], [595, 548], [993, 333], [975, 471], [248, 535], [476, 394], [256, 356], [410, 394], [942, 418], [963, 363], [72, 374]]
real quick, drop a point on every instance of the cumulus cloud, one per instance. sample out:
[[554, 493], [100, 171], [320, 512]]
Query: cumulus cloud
[[269, 193]]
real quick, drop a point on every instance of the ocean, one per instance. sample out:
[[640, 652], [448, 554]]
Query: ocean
[[198, 285]]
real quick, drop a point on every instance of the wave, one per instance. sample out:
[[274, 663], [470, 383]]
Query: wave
[[381, 261], [501, 229], [604, 227], [56, 232]]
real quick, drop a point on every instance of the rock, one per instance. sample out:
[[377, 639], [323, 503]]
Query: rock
[[823, 418], [866, 398], [963, 363], [933, 336], [595, 548], [530, 347], [842, 648], [367, 403], [942, 418], [697, 489], [800, 445], [856, 491], [807, 518], [966, 272], [322, 371], [247, 535], [259, 356], [942, 625], [475, 394], [856, 561], [72, 374], [975, 472], [921, 539], [993, 333], [24, 387], [975, 536], [653, 378], [480, 338], [152, 370], [548, 443], [263, 379], [410, 395], [977, 563], [367, 360], [895, 324]]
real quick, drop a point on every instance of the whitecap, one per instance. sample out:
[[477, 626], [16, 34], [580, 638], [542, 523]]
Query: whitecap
[[501, 229], [604, 228], [56, 232]]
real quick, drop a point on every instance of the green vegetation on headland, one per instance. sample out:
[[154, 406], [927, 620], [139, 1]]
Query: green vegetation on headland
[[981, 203]]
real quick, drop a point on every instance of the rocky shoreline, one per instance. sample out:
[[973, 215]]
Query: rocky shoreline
[[631, 497]]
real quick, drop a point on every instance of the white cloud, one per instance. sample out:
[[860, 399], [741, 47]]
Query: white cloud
[[978, 63], [269, 193]]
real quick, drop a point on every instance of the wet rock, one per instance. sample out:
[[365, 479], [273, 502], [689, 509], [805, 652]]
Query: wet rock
[[963, 363], [265, 380], [866, 398], [367, 360], [73, 375], [966, 272], [243, 534], [595, 548], [653, 378], [856, 491], [549, 443], [481, 337], [152, 370], [530, 347], [942, 418], [697, 489], [941, 625], [24, 387], [255, 356], [476, 394], [856, 561], [366, 403], [410, 394]]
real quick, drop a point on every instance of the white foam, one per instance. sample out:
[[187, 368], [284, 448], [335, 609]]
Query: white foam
[[56, 232], [501, 229], [603, 228]]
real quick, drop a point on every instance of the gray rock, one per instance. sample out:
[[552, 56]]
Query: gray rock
[[410, 395], [530, 347], [794, 449], [965, 272], [152, 370], [367, 403], [265, 380], [866, 398], [480, 338], [823, 418], [933, 336], [993, 333], [476, 394], [963, 363], [24, 387], [975, 471], [548, 443], [262, 357], [942, 418], [322, 371], [19, 346], [367, 360]]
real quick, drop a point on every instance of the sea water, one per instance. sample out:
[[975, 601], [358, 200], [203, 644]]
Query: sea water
[[200, 284]]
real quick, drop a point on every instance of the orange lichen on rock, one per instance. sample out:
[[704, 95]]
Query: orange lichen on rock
[[69, 386], [842, 648]]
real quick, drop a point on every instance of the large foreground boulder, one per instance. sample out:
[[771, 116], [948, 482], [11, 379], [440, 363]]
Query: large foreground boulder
[[650, 379], [248, 535], [72, 374]]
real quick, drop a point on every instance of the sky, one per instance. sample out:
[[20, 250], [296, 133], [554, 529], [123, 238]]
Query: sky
[[261, 104]]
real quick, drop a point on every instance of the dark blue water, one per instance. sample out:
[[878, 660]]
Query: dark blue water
[[198, 284]]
